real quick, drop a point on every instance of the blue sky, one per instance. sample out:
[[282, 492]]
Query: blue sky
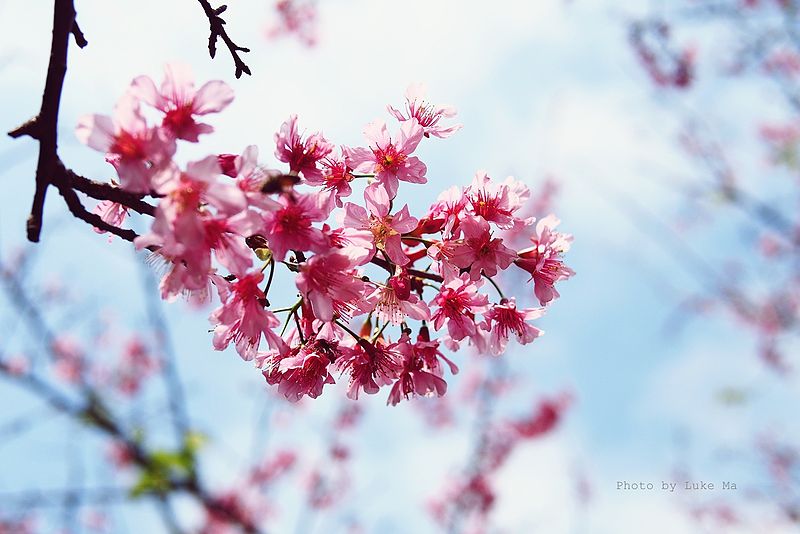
[[542, 88]]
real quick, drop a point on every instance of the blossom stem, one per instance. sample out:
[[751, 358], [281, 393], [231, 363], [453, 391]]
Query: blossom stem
[[378, 334], [346, 329], [413, 272], [299, 328], [363, 175], [426, 242], [271, 264], [291, 310], [499, 291]]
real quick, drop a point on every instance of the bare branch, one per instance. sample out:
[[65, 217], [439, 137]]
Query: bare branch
[[217, 30], [45, 125]]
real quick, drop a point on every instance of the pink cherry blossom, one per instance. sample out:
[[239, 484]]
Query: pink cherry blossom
[[181, 102], [290, 226], [337, 174], [369, 366], [302, 155], [243, 319], [422, 371], [494, 201], [330, 284], [457, 303], [504, 319], [395, 301], [386, 229], [304, 369], [136, 150], [425, 113], [479, 252], [543, 260], [250, 176], [390, 161], [112, 213]]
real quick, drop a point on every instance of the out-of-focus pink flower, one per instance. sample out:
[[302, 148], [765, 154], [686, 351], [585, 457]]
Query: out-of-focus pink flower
[[274, 467], [136, 150], [70, 360], [135, 366], [112, 213], [295, 17], [504, 319], [302, 155], [390, 161], [250, 176], [426, 114], [545, 417], [243, 319], [180, 102]]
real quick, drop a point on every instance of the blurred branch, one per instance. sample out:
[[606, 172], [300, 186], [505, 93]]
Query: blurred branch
[[86, 406], [155, 315]]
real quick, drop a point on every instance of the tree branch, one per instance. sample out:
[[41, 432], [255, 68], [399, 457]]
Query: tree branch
[[217, 28], [44, 126], [77, 210]]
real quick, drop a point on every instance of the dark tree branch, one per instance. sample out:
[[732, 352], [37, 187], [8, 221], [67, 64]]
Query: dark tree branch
[[104, 191], [413, 272], [77, 210], [44, 126], [80, 39], [217, 30]]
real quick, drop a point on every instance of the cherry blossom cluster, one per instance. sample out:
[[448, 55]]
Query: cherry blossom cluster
[[380, 292]]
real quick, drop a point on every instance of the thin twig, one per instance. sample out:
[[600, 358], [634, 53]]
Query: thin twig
[[217, 30]]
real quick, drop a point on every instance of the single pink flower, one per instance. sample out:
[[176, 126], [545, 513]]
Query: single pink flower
[[112, 213], [543, 260], [302, 155], [136, 150], [386, 229], [335, 178], [290, 226], [250, 176], [243, 319], [180, 102], [495, 201], [457, 303], [331, 285], [390, 161], [504, 319], [304, 369], [448, 210], [226, 237], [369, 366], [355, 243], [425, 113], [479, 251], [417, 376], [394, 302]]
